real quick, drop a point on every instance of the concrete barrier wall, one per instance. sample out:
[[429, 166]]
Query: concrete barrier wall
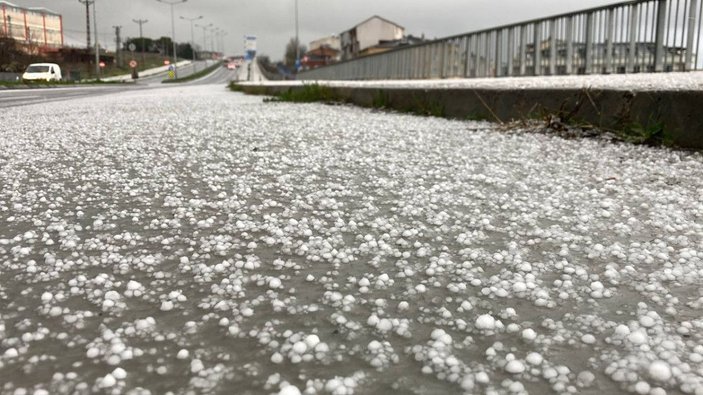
[[146, 73], [677, 112]]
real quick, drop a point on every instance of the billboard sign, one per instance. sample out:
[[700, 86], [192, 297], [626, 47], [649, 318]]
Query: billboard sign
[[249, 47]]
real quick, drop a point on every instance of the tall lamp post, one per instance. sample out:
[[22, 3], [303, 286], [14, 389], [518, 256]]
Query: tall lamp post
[[173, 32], [297, 39], [192, 40], [215, 31], [192, 35], [205, 27], [222, 43]]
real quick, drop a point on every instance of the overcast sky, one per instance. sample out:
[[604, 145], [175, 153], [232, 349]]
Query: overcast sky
[[273, 21]]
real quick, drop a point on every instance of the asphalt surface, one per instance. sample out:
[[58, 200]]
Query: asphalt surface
[[23, 97], [184, 239]]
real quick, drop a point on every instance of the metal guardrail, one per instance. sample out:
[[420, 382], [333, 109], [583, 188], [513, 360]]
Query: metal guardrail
[[628, 37]]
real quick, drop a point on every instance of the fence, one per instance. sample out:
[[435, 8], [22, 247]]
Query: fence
[[628, 37]]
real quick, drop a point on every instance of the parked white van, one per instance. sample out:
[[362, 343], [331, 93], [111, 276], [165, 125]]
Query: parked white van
[[42, 71]]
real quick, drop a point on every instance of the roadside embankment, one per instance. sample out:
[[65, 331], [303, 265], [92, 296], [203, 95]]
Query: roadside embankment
[[656, 117]]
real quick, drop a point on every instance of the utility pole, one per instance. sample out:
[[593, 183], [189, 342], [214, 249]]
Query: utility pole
[[87, 20], [141, 35], [97, 44], [118, 43], [173, 32]]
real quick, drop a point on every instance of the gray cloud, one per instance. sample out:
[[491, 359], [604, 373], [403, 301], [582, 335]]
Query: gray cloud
[[272, 21]]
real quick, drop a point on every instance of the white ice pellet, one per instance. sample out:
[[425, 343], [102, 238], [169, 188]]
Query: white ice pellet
[[277, 358], [514, 367], [529, 334], [300, 348], [485, 322], [108, 381], [119, 373], [659, 370], [196, 366], [637, 337], [289, 390], [534, 358], [274, 283]]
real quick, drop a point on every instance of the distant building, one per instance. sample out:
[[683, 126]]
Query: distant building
[[333, 42], [35, 28], [320, 56], [387, 45], [323, 51], [367, 34]]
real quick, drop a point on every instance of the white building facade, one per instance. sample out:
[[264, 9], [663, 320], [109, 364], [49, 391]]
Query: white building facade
[[368, 34]]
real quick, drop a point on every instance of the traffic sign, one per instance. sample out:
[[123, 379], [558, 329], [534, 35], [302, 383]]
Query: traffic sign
[[132, 47], [102, 65], [133, 64]]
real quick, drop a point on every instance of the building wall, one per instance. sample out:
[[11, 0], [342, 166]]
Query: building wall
[[37, 27], [374, 30]]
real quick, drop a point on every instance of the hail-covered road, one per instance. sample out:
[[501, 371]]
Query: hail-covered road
[[190, 240]]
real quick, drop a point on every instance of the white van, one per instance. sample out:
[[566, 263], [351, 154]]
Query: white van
[[42, 71]]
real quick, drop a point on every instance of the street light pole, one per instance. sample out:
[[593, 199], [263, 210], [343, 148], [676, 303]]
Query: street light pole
[[212, 39], [222, 43], [173, 32], [297, 39], [192, 35], [205, 27]]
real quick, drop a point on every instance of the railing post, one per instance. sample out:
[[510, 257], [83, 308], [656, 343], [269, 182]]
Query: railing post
[[499, 50], [552, 47], [609, 42], [661, 34], [569, 45], [691, 35], [467, 51], [634, 27], [477, 60], [538, 49], [523, 50], [511, 50], [589, 43]]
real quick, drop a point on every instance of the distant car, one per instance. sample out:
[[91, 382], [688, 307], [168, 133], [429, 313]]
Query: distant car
[[231, 66], [42, 72]]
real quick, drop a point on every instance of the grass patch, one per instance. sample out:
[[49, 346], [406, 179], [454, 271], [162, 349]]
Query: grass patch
[[652, 133], [35, 83], [309, 93], [194, 76]]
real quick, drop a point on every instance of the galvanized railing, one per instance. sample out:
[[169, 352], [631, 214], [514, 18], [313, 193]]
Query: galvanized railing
[[629, 37]]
